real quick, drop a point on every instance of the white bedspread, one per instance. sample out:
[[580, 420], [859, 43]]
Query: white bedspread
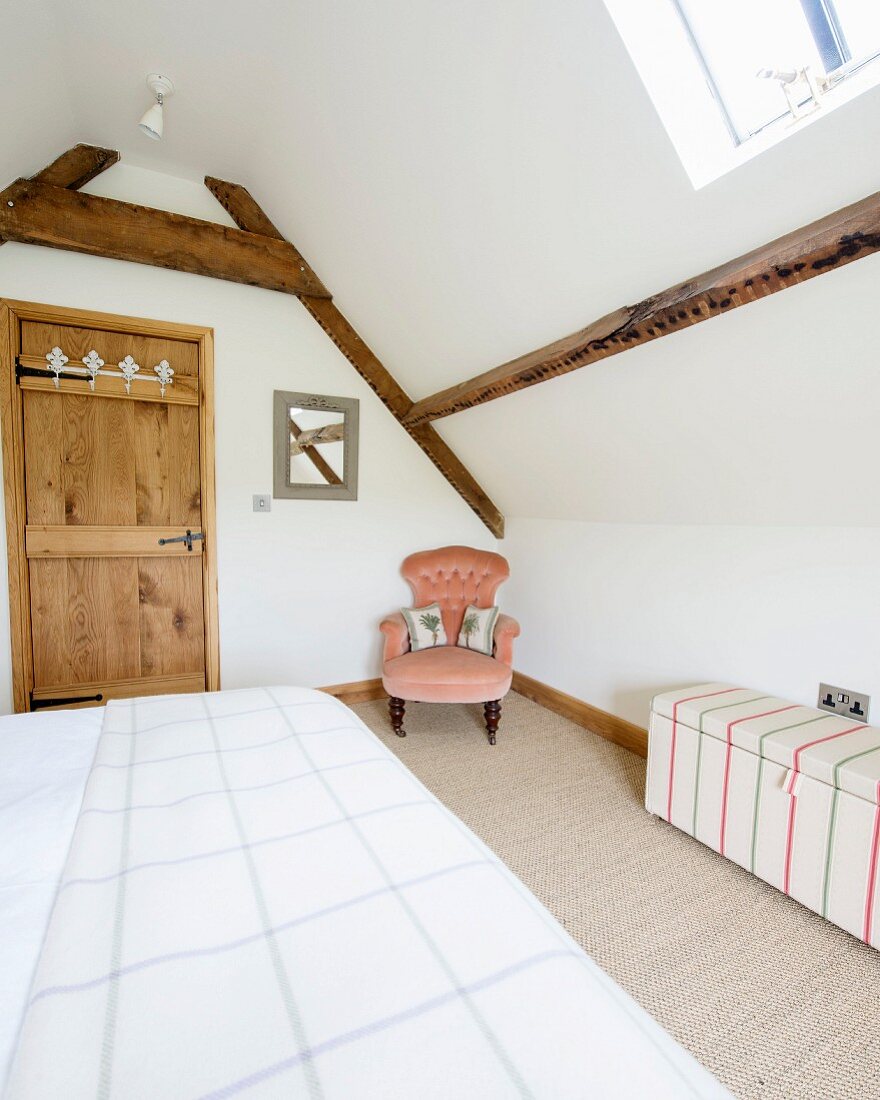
[[260, 899], [44, 761]]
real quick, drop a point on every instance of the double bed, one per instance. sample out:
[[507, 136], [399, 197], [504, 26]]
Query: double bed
[[245, 893]]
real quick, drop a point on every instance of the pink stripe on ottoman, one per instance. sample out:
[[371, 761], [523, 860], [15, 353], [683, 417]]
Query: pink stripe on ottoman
[[789, 838], [726, 786], [872, 872], [675, 706]]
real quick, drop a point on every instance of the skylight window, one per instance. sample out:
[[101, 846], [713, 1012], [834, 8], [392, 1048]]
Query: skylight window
[[731, 80]]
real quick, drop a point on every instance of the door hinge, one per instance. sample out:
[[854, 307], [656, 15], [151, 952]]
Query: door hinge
[[66, 701], [21, 371]]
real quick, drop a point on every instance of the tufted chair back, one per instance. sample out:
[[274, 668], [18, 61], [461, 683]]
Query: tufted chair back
[[454, 576]]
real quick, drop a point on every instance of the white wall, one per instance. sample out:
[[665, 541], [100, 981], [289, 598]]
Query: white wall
[[704, 507], [303, 588], [36, 116], [721, 498], [614, 613], [768, 414]]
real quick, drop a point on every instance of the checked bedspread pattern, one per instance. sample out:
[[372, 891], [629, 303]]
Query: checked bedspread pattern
[[260, 899]]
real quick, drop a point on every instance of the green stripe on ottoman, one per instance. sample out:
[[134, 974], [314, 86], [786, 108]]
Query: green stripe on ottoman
[[757, 798], [700, 733], [832, 825]]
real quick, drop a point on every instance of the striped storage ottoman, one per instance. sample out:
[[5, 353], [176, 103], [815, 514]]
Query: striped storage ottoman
[[788, 792]]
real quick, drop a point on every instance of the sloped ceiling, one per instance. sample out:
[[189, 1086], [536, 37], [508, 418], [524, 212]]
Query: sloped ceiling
[[471, 180]]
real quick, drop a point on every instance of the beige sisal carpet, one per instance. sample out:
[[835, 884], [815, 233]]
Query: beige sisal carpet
[[771, 998]]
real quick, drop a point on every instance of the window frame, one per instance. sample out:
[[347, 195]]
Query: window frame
[[669, 68], [827, 33]]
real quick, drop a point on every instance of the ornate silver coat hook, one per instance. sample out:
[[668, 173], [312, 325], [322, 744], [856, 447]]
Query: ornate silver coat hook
[[129, 369], [93, 363], [57, 362], [166, 375]]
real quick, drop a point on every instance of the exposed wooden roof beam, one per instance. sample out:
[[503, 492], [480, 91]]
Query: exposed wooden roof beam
[[41, 213], [246, 213], [76, 167], [822, 246], [46, 211]]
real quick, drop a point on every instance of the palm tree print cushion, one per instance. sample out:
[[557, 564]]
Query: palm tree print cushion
[[425, 626], [478, 629]]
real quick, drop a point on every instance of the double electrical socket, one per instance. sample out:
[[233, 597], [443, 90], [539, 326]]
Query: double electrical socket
[[850, 704]]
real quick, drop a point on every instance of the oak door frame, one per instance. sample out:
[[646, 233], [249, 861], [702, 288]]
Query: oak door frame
[[12, 313]]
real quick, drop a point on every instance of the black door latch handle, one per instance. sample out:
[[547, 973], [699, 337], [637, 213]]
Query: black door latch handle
[[189, 538]]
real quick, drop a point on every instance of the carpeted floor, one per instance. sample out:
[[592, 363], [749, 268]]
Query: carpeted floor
[[775, 1001]]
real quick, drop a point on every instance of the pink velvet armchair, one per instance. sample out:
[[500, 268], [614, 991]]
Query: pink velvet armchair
[[453, 577]]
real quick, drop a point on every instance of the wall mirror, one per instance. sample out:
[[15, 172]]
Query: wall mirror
[[315, 446]]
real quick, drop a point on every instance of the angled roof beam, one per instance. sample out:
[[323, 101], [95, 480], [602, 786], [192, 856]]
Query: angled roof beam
[[32, 212], [821, 246], [45, 210], [246, 213], [76, 167]]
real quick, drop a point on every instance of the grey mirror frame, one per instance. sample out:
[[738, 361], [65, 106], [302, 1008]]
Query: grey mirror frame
[[349, 407]]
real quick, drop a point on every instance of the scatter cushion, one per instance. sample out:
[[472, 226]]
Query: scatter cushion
[[425, 626], [478, 629]]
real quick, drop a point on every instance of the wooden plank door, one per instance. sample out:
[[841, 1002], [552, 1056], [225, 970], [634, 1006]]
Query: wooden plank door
[[110, 479]]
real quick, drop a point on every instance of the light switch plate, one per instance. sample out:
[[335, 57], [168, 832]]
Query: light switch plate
[[843, 701], [262, 502]]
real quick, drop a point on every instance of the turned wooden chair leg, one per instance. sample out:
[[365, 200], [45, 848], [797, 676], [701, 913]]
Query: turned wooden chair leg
[[397, 708], [492, 711]]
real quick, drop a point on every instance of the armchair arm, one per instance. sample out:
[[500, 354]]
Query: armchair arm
[[396, 636], [506, 629]]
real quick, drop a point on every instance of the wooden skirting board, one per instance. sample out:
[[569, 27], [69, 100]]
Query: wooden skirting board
[[358, 691], [609, 726]]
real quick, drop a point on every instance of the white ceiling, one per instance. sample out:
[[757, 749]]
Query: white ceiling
[[471, 178]]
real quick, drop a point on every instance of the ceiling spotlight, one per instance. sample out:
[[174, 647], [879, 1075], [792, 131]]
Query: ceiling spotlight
[[152, 122]]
